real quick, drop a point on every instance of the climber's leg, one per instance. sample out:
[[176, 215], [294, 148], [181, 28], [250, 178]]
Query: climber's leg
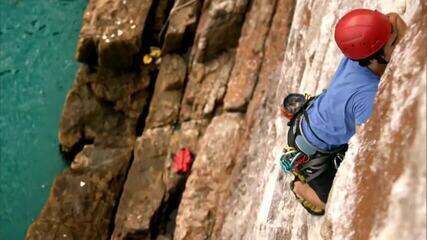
[[304, 191], [315, 193]]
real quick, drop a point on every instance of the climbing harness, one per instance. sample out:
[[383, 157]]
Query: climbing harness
[[300, 158]]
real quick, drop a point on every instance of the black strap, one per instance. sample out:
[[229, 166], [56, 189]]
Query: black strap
[[311, 129]]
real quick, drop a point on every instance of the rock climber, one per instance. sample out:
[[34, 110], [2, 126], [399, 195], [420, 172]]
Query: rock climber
[[321, 126]]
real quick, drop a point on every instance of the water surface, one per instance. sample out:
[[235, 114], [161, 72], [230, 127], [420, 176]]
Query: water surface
[[37, 67]]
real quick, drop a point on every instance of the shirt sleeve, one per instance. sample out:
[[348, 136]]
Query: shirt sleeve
[[363, 106]]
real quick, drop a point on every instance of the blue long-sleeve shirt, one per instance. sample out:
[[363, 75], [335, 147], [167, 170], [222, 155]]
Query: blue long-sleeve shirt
[[348, 101]]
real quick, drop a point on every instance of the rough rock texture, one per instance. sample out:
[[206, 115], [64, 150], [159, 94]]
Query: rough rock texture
[[253, 154], [152, 192], [245, 56], [205, 185], [82, 198], [261, 205], [206, 87], [111, 32], [165, 104], [395, 135], [182, 25], [100, 116], [249, 54], [144, 189], [101, 108], [219, 27]]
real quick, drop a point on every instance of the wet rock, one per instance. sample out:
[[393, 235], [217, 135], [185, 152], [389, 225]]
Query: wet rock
[[182, 25], [166, 100], [111, 32], [219, 28], [211, 168], [144, 189], [249, 55], [81, 202], [206, 87]]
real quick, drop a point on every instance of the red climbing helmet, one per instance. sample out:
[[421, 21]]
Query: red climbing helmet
[[362, 32]]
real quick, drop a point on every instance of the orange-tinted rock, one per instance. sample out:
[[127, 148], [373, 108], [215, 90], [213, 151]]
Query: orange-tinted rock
[[219, 28], [256, 140], [206, 87], [103, 107], [196, 214], [80, 205], [166, 100], [187, 135], [392, 155], [111, 32], [182, 25], [152, 188], [249, 55]]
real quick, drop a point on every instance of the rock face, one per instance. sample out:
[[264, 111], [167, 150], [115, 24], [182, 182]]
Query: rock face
[[249, 54], [261, 205], [182, 25], [144, 189], [205, 185], [82, 198], [225, 68], [219, 27], [165, 104], [393, 145], [111, 32], [206, 87]]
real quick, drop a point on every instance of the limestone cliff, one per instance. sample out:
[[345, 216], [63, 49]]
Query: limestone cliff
[[224, 69]]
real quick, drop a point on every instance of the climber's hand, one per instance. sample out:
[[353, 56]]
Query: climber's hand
[[398, 25]]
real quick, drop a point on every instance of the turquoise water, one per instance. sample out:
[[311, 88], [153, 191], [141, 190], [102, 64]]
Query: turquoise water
[[37, 67]]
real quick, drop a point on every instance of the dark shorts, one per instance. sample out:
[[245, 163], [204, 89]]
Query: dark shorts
[[323, 183]]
